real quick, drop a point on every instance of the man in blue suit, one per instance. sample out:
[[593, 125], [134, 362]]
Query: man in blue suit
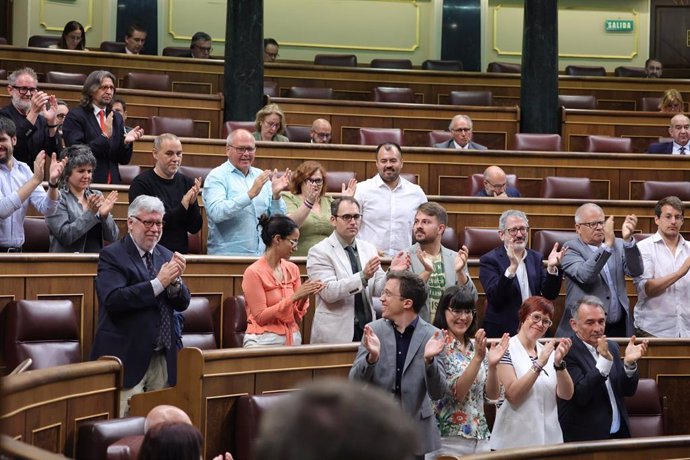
[[596, 410], [511, 273], [680, 132], [139, 289]]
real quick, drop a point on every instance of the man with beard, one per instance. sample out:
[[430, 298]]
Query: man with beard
[[388, 203], [94, 123], [437, 265], [34, 113], [19, 187], [596, 264], [321, 131], [511, 273], [663, 289], [177, 192]]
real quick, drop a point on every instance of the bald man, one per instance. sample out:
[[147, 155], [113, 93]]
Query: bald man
[[321, 131], [496, 184], [165, 414], [679, 130]]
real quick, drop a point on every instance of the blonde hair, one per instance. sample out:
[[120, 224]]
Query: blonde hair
[[267, 110], [671, 97]]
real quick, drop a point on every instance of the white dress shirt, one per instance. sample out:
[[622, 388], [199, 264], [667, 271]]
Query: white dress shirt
[[677, 147]]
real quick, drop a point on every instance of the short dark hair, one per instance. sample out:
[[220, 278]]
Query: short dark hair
[[77, 155], [278, 224], [203, 36], [646, 63], [270, 41], [388, 146], [172, 441], [456, 298], [7, 126], [121, 101], [672, 201], [335, 204], [92, 83], [431, 208], [134, 28], [411, 287]]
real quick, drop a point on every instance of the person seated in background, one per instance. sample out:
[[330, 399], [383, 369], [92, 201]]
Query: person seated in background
[[276, 299], [270, 50], [496, 184], [321, 131], [135, 38], [270, 124], [461, 129], [62, 110], [671, 102], [73, 37], [653, 68], [83, 219], [120, 106], [680, 133], [201, 45], [308, 205]]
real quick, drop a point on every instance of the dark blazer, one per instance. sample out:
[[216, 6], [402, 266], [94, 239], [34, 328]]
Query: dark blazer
[[587, 416], [129, 314], [81, 127], [31, 139], [661, 147], [450, 145], [510, 191], [503, 295]]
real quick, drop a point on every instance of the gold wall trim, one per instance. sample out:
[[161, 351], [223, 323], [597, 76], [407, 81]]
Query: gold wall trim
[[60, 27]]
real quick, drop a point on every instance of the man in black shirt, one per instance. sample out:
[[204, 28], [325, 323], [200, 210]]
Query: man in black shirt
[[178, 192]]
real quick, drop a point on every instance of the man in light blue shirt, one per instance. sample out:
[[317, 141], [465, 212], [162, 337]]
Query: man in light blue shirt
[[19, 186], [236, 195]]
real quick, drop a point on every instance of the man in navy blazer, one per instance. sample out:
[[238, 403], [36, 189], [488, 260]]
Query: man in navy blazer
[[137, 303], [461, 129], [511, 273], [496, 184], [598, 374], [680, 132], [95, 123]]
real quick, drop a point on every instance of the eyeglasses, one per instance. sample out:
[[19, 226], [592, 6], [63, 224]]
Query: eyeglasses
[[593, 225], [271, 124], [148, 224], [676, 217], [318, 181], [323, 135], [60, 115], [349, 217], [514, 230], [461, 130], [499, 186], [537, 318], [25, 89], [461, 312], [388, 293], [293, 243], [244, 149], [204, 49]]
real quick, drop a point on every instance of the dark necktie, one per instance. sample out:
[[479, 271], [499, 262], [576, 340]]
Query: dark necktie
[[362, 314], [164, 339], [682, 150]]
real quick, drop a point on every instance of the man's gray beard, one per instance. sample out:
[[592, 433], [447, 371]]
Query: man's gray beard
[[22, 105]]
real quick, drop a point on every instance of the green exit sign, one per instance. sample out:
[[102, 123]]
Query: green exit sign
[[618, 25]]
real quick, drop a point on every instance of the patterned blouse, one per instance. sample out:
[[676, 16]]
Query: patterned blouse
[[464, 418]]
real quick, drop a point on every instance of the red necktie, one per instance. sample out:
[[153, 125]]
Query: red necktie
[[101, 121]]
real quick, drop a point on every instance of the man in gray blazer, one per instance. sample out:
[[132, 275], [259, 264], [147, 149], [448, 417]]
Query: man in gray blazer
[[596, 264], [461, 129], [437, 265], [351, 270], [398, 354]]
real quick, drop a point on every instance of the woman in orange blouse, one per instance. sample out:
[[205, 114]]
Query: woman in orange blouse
[[276, 300]]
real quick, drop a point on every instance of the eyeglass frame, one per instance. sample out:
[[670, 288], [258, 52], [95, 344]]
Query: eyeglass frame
[[593, 225], [543, 319], [514, 230], [148, 224], [243, 150], [349, 217], [25, 89]]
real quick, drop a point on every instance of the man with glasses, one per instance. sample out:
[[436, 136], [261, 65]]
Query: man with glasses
[[140, 290], [351, 270], [679, 130], [663, 289], [35, 114], [321, 131], [461, 129], [496, 184], [201, 45], [512, 272], [95, 124], [596, 264], [236, 194]]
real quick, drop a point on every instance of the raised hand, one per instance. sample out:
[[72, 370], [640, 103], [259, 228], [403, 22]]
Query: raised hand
[[499, 349], [561, 350], [39, 166], [93, 202], [401, 261], [634, 352], [107, 204], [629, 225], [603, 348], [313, 192], [38, 104], [192, 193], [134, 135], [371, 266], [258, 184], [425, 260], [546, 352], [307, 288], [169, 272], [514, 261], [480, 345], [372, 344], [609, 235], [556, 256], [350, 189], [433, 346], [461, 258], [49, 110], [278, 184], [109, 124], [56, 168], [180, 260]]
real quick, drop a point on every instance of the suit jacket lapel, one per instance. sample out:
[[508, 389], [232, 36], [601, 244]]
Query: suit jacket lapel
[[340, 255], [136, 258], [415, 343]]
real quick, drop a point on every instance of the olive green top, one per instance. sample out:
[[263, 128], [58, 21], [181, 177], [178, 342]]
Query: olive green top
[[315, 228]]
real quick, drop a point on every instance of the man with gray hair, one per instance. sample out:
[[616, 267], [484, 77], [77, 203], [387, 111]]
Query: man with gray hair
[[461, 129], [596, 264], [601, 380], [512, 272], [139, 286], [95, 124]]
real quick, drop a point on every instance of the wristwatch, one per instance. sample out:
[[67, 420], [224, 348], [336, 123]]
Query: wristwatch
[[561, 367]]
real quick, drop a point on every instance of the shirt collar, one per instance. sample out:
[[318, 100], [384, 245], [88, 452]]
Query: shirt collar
[[458, 146], [345, 243]]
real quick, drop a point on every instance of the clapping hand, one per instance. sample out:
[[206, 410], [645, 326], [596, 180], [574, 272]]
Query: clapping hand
[[372, 344], [634, 352], [350, 189], [461, 258], [278, 184], [497, 350], [401, 261], [556, 256], [561, 350], [192, 193], [134, 135], [106, 204], [433, 346]]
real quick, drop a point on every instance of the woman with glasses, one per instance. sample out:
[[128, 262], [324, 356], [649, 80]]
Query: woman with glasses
[[308, 205], [270, 124], [73, 37], [533, 376], [471, 373], [276, 300], [84, 216]]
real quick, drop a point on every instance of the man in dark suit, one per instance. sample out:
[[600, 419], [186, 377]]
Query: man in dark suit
[[680, 132], [398, 353], [94, 123], [496, 184], [511, 273], [139, 288], [596, 410], [461, 129]]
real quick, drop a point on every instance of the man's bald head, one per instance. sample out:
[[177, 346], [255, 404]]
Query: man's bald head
[[495, 181], [165, 413], [321, 131]]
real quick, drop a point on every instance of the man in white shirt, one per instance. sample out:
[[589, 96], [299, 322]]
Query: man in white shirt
[[663, 289], [461, 129], [679, 130], [389, 203]]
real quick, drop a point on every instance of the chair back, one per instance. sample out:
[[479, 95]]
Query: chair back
[[304, 92], [585, 71], [393, 94], [194, 243], [128, 173], [566, 187], [65, 78], [449, 239], [656, 190], [177, 51], [230, 126], [181, 127], [390, 64], [409, 177], [608, 144], [651, 104], [298, 133], [376, 136], [3, 74], [476, 182], [342, 60], [198, 325], [235, 322], [481, 98], [270, 88], [577, 101], [43, 41], [195, 171], [479, 241], [149, 81], [113, 47], [126, 448], [36, 235], [434, 64], [543, 240], [94, 436], [336, 179], [645, 410], [248, 411], [504, 67], [44, 330], [436, 137], [537, 142], [627, 71]]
